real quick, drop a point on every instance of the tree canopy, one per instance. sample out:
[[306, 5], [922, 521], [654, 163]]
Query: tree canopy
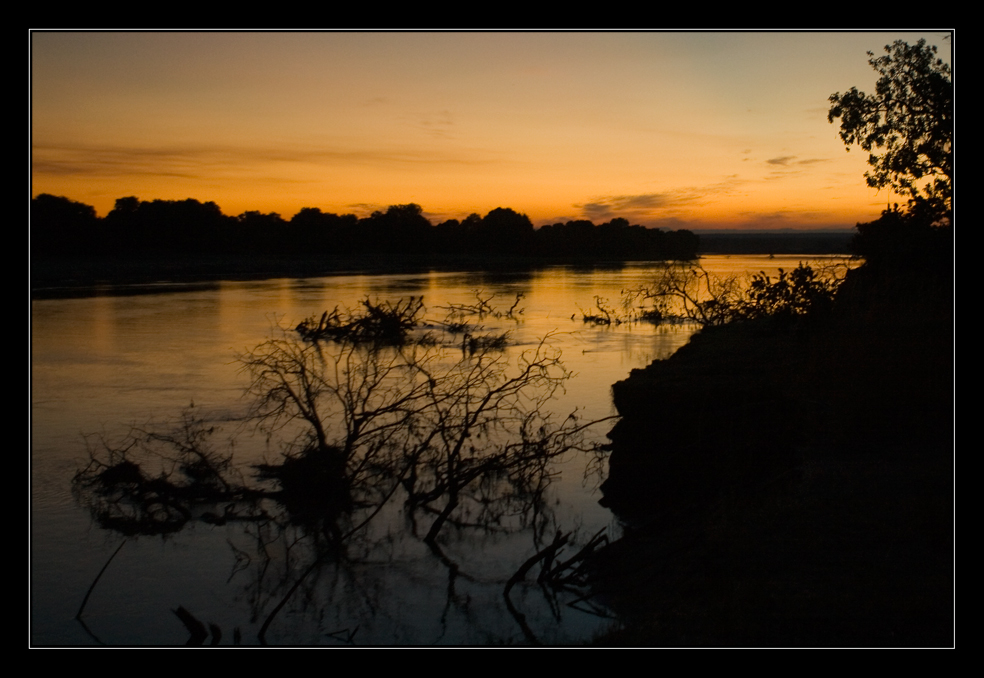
[[168, 228], [906, 125]]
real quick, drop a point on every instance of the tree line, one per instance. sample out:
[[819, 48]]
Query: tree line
[[64, 228]]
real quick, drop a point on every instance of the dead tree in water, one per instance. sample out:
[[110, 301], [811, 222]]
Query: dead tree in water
[[462, 437], [440, 424]]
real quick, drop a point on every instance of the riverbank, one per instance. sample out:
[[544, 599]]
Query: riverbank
[[792, 484]]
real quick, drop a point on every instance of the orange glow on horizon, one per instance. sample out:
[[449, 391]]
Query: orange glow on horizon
[[674, 130]]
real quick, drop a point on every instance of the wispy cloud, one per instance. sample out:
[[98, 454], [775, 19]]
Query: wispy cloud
[[616, 205], [660, 206], [783, 160], [788, 160], [212, 161], [437, 125], [786, 166]]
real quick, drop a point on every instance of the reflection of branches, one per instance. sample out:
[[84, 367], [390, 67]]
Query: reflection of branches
[[562, 574], [472, 409], [456, 433], [123, 496], [464, 437], [416, 416]]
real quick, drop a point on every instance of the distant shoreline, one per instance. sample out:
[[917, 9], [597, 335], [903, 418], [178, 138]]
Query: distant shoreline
[[58, 277], [775, 242]]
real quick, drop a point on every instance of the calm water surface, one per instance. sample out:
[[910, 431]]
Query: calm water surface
[[102, 364]]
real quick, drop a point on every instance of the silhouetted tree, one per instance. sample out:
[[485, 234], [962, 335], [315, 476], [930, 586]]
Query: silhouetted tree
[[168, 228], [262, 232], [312, 231], [164, 227], [910, 118], [505, 231], [400, 229], [60, 226]]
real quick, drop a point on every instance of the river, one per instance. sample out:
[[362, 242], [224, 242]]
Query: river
[[138, 357]]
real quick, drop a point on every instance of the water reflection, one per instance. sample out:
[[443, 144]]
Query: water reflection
[[374, 412], [102, 363]]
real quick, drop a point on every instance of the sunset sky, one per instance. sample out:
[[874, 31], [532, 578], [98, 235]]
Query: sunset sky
[[670, 129]]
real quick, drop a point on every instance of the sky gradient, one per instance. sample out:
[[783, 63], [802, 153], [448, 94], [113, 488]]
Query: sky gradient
[[670, 129]]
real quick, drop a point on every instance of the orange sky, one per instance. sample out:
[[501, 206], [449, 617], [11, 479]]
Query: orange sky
[[671, 129]]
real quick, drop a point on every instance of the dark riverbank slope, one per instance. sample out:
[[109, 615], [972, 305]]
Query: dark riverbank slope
[[791, 484]]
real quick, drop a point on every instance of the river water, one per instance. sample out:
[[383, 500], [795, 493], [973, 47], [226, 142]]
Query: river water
[[140, 356]]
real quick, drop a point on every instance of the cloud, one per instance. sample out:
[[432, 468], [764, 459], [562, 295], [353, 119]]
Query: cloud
[[644, 202], [786, 160], [437, 125], [659, 205], [596, 211], [364, 209], [781, 160], [201, 161], [788, 166]]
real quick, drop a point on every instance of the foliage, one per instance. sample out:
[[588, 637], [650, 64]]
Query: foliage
[[909, 120], [689, 293], [796, 293], [905, 241]]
